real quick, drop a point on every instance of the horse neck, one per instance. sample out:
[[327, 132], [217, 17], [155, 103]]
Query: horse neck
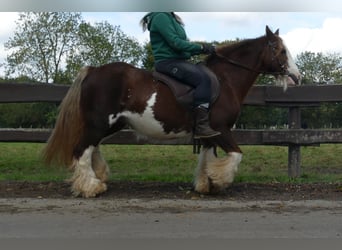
[[247, 53]]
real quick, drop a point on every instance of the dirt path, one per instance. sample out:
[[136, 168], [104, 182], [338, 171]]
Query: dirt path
[[149, 218], [152, 210], [158, 190]]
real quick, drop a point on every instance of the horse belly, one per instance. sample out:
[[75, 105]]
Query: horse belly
[[145, 123]]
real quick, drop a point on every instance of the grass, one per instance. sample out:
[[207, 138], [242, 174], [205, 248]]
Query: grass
[[21, 161], [269, 164]]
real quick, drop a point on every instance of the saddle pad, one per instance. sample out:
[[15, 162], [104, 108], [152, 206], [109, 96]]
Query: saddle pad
[[183, 92]]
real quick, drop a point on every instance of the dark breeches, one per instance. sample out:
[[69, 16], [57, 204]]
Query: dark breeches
[[189, 74]]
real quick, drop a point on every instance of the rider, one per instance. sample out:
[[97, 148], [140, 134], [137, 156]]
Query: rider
[[171, 50]]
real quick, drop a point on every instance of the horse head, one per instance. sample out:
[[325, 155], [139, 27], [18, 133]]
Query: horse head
[[264, 55], [278, 60]]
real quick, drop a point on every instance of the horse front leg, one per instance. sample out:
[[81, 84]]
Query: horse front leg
[[215, 174], [201, 181]]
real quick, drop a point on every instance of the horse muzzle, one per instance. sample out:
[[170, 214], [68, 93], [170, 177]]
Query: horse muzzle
[[293, 79]]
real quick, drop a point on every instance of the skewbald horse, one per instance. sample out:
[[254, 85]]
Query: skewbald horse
[[105, 99]]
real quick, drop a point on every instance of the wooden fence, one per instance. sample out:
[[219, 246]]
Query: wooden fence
[[293, 99]]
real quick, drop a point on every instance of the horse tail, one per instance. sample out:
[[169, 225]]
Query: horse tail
[[68, 128]]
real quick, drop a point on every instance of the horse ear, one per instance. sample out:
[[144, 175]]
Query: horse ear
[[269, 33]]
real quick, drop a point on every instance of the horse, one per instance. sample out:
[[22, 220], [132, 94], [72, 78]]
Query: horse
[[103, 100]]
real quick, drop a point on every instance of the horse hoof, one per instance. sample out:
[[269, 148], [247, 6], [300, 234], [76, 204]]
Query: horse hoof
[[202, 186], [90, 191], [210, 189], [202, 190], [215, 189]]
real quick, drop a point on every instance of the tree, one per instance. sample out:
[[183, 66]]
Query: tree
[[41, 42], [148, 59], [52, 46], [319, 68], [103, 43]]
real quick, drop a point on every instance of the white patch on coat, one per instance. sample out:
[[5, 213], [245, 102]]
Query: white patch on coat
[[221, 171], [84, 180], [145, 123]]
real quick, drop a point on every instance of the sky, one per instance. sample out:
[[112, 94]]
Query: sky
[[302, 31]]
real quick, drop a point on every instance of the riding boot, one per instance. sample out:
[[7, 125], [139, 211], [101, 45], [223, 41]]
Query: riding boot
[[202, 127]]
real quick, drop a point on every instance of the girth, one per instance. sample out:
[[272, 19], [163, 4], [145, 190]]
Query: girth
[[184, 93]]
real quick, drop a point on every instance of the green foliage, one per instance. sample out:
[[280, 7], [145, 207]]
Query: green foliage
[[319, 68], [327, 115], [40, 42], [316, 68], [103, 43], [27, 115], [53, 46], [253, 117], [148, 59]]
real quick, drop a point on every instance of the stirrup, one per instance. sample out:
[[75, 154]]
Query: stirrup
[[215, 133], [196, 146]]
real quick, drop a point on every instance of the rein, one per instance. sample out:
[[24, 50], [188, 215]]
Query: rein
[[236, 63]]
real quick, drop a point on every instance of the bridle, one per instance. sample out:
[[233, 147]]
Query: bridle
[[272, 46]]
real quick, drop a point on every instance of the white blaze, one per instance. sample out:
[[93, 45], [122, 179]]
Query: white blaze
[[292, 69]]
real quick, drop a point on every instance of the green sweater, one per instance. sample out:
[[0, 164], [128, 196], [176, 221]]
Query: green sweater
[[168, 38]]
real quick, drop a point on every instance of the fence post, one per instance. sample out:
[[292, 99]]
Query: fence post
[[294, 156]]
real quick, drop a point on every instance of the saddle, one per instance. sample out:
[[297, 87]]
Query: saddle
[[184, 93]]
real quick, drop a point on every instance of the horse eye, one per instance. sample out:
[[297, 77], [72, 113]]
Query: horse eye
[[283, 51]]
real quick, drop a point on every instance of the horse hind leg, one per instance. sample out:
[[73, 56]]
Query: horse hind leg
[[91, 170], [99, 165], [84, 181]]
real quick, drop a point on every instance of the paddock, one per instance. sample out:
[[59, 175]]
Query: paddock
[[293, 99]]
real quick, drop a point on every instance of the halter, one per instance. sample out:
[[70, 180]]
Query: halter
[[272, 45]]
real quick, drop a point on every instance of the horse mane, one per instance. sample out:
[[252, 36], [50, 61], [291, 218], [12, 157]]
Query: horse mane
[[230, 47]]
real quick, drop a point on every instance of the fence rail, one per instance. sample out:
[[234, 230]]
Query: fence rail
[[258, 95], [281, 137], [293, 99]]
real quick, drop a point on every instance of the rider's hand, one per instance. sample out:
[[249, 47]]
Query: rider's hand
[[208, 48]]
